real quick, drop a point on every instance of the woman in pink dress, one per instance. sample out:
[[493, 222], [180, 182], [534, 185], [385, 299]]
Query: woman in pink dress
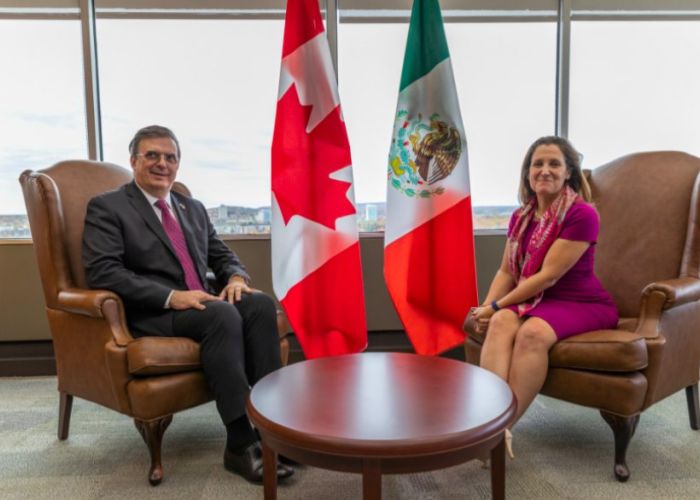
[[545, 289]]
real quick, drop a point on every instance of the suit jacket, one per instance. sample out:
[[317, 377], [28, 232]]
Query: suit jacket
[[126, 250]]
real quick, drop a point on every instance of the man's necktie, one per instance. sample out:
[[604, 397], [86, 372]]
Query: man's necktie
[[177, 238]]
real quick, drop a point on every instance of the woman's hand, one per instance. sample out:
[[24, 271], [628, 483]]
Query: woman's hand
[[481, 316]]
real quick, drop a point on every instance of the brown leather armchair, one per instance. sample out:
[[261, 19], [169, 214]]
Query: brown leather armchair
[[97, 359], [648, 257]]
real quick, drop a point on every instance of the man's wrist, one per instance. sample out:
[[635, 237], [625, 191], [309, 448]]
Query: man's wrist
[[167, 301], [238, 278]]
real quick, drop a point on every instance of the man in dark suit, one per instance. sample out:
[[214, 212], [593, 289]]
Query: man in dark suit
[[153, 246]]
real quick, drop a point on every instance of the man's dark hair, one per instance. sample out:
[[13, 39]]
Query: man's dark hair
[[152, 132]]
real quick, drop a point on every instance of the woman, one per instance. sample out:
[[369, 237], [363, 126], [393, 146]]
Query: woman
[[545, 289]]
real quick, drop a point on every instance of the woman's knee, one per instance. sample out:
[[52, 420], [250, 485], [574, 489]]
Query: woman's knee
[[503, 322], [535, 334]]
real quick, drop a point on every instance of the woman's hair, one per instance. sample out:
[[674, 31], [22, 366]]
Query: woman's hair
[[573, 166]]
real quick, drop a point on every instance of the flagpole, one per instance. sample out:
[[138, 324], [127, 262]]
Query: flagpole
[[561, 125], [332, 31]]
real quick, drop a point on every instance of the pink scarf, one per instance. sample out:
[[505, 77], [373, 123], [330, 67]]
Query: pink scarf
[[526, 260]]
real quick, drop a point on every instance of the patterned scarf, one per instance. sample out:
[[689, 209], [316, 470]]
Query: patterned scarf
[[526, 260]]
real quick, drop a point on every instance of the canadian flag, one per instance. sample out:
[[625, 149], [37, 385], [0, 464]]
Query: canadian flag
[[316, 270]]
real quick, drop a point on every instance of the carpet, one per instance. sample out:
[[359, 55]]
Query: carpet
[[562, 451]]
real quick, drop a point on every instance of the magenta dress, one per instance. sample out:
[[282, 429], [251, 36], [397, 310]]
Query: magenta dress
[[577, 303]]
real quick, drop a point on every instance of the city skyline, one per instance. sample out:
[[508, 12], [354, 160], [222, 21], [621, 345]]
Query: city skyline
[[238, 220]]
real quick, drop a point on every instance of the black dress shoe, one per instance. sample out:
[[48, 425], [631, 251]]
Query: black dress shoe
[[284, 470], [249, 464], [286, 460]]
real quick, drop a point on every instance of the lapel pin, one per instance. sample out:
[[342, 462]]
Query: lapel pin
[[182, 206]]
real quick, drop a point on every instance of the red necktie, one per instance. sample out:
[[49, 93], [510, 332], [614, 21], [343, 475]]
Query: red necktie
[[174, 232]]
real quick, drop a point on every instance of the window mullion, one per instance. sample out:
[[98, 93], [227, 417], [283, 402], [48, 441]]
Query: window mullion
[[563, 68], [91, 80]]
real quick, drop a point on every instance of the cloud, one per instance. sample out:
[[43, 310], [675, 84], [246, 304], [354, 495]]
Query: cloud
[[17, 160], [56, 120]]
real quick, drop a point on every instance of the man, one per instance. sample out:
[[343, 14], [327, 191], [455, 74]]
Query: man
[[152, 247]]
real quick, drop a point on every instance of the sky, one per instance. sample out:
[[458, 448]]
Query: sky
[[634, 87]]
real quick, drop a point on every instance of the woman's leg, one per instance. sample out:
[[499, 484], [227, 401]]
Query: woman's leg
[[530, 361], [498, 347]]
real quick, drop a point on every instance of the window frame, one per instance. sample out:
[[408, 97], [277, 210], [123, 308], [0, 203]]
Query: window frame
[[353, 11]]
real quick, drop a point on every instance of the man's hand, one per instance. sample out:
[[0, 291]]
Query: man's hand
[[234, 290], [190, 299]]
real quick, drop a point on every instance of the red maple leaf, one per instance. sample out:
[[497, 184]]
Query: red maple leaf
[[302, 163]]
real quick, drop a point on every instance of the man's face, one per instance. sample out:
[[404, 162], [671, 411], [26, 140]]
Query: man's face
[[155, 165]]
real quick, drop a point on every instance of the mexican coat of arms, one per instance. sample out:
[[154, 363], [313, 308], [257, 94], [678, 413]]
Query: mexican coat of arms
[[422, 153]]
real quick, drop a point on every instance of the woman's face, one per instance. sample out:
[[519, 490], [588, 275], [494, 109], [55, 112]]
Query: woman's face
[[548, 172]]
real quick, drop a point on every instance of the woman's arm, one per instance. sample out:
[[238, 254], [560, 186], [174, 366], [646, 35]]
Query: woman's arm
[[561, 257], [502, 282]]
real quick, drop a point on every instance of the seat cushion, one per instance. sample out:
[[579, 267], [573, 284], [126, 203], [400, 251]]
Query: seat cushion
[[618, 350], [162, 355], [601, 350]]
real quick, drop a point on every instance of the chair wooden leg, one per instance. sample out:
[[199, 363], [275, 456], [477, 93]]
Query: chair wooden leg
[[623, 429], [152, 433], [691, 394], [65, 405]]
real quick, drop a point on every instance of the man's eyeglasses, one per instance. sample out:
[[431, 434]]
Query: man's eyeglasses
[[154, 156]]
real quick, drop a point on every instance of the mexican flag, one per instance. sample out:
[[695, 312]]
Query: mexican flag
[[316, 271], [428, 242]]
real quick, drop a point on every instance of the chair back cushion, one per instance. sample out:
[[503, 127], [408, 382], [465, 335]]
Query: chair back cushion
[[56, 200], [649, 206]]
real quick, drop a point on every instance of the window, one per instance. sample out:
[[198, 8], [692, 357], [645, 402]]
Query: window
[[210, 70], [506, 80], [41, 105], [369, 72], [505, 77], [634, 87], [214, 83]]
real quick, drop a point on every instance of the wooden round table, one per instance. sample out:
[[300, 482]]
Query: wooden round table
[[382, 413]]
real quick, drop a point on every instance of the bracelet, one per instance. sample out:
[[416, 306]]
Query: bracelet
[[494, 306]]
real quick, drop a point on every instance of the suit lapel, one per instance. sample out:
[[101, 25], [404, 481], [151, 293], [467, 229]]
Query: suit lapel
[[146, 211]]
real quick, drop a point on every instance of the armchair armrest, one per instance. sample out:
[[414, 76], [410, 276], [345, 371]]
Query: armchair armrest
[[100, 304], [663, 295], [85, 302], [676, 291], [283, 326]]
